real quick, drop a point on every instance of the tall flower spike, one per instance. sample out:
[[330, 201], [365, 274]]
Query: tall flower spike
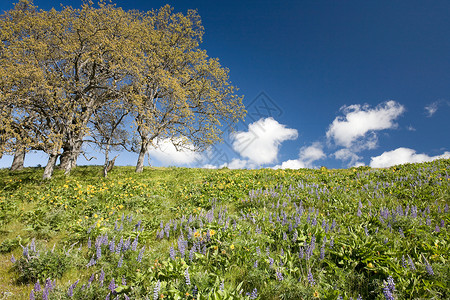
[[156, 290], [186, 276]]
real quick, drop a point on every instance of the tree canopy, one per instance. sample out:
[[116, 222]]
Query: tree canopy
[[62, 70]]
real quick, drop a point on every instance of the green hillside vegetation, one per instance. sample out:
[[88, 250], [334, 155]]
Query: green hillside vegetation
[[179, 233]]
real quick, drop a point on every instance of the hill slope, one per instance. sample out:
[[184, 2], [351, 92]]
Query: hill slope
[[266, 234]]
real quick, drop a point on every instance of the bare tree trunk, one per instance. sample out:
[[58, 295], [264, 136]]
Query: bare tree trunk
[[65, 157], [72, 157], [18, 161], [48, 171], [141, 158]]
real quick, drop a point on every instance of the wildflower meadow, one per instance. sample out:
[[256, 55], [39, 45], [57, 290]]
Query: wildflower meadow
[[180, 233]]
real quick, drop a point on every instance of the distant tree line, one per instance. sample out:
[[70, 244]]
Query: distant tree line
[[74, 76]]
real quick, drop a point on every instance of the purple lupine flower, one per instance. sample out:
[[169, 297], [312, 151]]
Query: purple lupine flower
[[156, 290], [33, 245], [391, 284], [91, 279], [313, 243], [13, 259], [119, 264], [112, 245], [254, 294], [271, 262], [311, 278], [359, 213], [45, 293], [404, 265], [141, 254], [322, 252], [258, 251], [387, 293], [102, 277], [186, 276], [32, 297], [282, 252], [126, 297], [222, 286], [98, 251], [25, 253], [37, 286], [172, 253], [108, 296], [428, 268], [70, 291], [112, 285], [255, 265], [119, 245], [191, 253], [279, 275], [411, 264], [134, 244], [124, 281], [91, 262], [359, 297]]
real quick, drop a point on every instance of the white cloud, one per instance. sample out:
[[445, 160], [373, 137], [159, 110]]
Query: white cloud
[[307, 156], [402, 156], [311, 153], [167, 154], [410, 128], [236, 163], [208, 166], [358, 125], [350, 156], [291, 164], [431, 108], [261, 143]]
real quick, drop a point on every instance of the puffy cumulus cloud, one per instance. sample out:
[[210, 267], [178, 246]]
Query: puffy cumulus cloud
[[261, 143], [351, 157], [358, 125], [167, 154], [402, 156], [291, 164], [307, 156], [236, 163], [311, 153]]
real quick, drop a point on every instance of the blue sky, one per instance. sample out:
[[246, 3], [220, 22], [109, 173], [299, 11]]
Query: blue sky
[[326, 83]]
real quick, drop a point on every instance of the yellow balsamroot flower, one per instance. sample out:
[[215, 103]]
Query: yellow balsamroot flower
[[316, 294], [232, 247], [197, 234], [212, 232], [370, 265], [95, 216]]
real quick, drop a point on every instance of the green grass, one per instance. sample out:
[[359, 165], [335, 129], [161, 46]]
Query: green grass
[[241, 229]]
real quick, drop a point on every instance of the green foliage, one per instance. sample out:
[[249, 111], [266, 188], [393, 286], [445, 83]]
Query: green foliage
[[237, 231], [40, 265]]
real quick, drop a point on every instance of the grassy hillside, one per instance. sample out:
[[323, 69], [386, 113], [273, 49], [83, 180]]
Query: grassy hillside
[[180, 233]]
